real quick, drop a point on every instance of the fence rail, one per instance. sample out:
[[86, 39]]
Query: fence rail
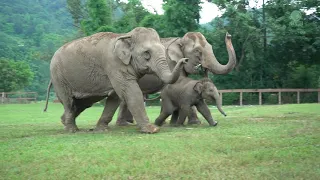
[[260, 91], [18, 97]]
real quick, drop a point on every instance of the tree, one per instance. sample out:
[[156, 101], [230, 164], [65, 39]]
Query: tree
[[99, 14], [181, 16], [14, 75], [134, 13]]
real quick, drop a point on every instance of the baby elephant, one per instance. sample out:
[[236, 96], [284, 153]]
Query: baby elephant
[[178, 98]]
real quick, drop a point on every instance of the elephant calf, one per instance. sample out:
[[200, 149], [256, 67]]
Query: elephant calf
[[178, 98]]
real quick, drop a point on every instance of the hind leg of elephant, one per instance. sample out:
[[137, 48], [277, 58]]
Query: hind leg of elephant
[[166, 111], [69, 117], [193, 117], [76, 114], [111, 105], [174, 117], [124, 115]]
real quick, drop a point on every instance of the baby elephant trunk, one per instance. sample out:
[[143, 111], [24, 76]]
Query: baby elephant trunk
[[218, 101]]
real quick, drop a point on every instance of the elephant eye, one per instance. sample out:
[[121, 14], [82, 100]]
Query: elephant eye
[[146, 55], [197, 52]]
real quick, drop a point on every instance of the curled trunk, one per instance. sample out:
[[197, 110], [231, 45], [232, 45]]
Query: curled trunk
[[213, 64], [163, 72]]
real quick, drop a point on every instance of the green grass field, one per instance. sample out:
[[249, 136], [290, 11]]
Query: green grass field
[[252, 142]]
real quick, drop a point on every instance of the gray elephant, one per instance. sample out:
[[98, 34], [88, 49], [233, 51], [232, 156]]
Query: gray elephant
[[194, 46], [178, 98], [106, 64]]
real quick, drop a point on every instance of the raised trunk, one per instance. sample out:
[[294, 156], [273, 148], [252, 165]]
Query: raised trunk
[[218, 101], [213, 64], [163, 72]]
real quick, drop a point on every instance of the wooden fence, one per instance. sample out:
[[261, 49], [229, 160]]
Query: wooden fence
[[260, 91], [18, 97]]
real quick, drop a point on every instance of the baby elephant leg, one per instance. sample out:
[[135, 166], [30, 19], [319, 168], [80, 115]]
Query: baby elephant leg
[[183, 113], [174, 117], [162, 117], [192, 117], [204, 110]]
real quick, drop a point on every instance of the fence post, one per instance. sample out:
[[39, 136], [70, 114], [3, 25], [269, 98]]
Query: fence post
[[279, 97], [221, 98], [2, 99], [241, 98], [298, 97], [260, 98]]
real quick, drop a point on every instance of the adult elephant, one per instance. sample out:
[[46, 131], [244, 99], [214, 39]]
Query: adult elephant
[[194, 46], [89, 69]]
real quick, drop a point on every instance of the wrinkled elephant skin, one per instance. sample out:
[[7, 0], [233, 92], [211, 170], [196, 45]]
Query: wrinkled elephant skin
[[106, 64]]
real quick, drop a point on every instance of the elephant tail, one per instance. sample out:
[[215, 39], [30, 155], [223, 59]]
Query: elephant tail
[[47, 99]]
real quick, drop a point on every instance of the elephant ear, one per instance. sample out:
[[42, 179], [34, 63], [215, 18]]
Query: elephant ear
[[122, 49], [198, 87], [173, 50]]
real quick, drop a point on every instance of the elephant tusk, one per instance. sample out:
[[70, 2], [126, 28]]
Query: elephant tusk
[[197, 66]]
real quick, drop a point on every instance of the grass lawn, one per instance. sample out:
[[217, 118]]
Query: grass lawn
[[252, 142]]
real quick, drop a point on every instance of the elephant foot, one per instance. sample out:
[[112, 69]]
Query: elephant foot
[[177, 125], [194, 121], [71, 128], [150, 129], [100, 128], [130, 121], [215, 123], [124, 123]]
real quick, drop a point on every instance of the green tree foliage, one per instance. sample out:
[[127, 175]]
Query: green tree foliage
[[292, 44], [31, 32], [99, 15], [181, 16], [134, 13], [14, 75]]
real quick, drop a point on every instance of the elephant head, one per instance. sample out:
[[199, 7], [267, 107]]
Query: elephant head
[[207, 90], [142, 49], [194, 46]]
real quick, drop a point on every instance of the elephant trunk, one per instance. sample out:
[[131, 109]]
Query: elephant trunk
[[213, 64], [218, 101], [163, 72]]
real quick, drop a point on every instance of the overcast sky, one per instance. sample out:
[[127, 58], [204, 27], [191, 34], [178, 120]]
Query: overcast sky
[[208, 12]]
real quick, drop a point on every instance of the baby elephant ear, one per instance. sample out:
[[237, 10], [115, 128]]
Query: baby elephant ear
[[122, 49], [198, 87]]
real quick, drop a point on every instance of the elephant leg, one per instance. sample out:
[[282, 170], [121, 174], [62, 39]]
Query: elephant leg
[[76, 114], [124, 115], [193, 117], [110, 107], [161, 118], [70, 120], [183, 113], [205, 111], [133, 96], [174, 117]]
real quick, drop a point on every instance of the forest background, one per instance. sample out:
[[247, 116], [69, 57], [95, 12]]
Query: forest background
[[277, 45]]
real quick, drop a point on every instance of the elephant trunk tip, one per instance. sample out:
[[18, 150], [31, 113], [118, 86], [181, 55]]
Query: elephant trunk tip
[[228, 36]]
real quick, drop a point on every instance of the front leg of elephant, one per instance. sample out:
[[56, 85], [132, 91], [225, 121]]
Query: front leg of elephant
[[205, 111], [131, 93]]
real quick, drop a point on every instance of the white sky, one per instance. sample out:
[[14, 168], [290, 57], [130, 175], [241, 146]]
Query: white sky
[[208, 12]]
